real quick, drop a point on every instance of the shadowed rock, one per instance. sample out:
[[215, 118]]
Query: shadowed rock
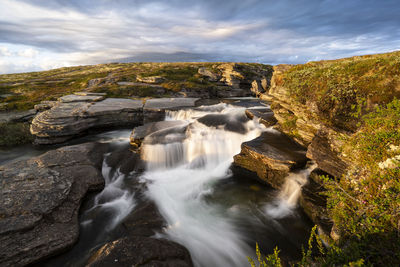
[[167, 127], [314, 203], [40, 200], [272, 156], [264, 115], [233, 123]]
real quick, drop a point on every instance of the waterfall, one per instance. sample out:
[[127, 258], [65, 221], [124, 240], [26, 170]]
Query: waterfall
[[181, 174], [289, 195]]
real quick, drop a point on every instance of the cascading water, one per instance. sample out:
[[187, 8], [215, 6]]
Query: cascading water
[[215, 211], [194, 166]]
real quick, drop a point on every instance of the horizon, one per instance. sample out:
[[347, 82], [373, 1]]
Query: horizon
[[38, 35]]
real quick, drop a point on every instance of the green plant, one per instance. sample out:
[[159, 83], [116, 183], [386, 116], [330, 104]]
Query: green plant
[[271, 260]]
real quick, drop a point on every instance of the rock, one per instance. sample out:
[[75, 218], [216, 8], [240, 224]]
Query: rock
[[96, 82], [40, 199], [272, 156], [89, 94], [141, 251], [256, 87], [213, 77], [154, 109], [322, 152], [17, 116], [80, 98], [264, 115], [152, 79], [314, 203], [228, 122], [44, 105], [140, 132], [67, 120]]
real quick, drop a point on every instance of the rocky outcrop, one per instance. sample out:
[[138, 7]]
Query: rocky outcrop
[[17, 116], [40, 200], [272, 156], [212, 76], [301, 122], [69, 117]]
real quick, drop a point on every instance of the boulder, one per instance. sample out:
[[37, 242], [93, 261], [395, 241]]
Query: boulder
[[154, 109], [141, 251], [272, 156], [264, 115], [67, 120], [40, 200]]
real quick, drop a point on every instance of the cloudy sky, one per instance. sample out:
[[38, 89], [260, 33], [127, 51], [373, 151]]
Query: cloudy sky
[[45, 34]]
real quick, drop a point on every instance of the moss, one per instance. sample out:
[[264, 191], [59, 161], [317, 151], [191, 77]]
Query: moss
[[343, 90], [14, 134]]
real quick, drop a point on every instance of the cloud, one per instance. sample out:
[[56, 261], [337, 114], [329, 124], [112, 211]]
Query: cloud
[[87, 31], [4, 51]]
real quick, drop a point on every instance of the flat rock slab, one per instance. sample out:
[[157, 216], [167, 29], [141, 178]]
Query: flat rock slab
[[169, 103], [40, 199], [272, 156], [264, 115], [67, 120], [228, 122], [89, 94], [80, 98]]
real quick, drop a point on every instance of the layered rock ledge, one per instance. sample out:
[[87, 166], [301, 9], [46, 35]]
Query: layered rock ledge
[[272, 156]]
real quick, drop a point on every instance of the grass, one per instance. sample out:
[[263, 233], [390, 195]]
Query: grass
[[28, 89], [344, 90]]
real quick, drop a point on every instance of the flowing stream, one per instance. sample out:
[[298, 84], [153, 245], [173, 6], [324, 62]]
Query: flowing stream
[[217, 212]]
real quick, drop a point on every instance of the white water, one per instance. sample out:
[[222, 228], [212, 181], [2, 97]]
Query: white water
[[181, 174]]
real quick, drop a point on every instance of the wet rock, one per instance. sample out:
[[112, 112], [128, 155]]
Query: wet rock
[[314, 202], [272, 156], [141, 251], [140, 132], [264, 115], [227, 122], [67, 120], [154, 109], [40, 200]]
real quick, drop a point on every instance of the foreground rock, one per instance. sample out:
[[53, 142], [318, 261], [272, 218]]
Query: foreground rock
[[65, 120], [138, 248], [272, 156], [40, 200]]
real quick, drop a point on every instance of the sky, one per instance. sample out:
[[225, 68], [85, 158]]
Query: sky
[[45, 34]]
